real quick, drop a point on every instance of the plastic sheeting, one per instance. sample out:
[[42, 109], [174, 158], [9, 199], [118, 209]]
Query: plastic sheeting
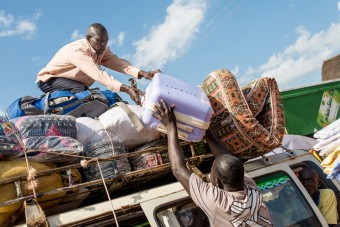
[[40, 148], [46, 125], [106, 149]]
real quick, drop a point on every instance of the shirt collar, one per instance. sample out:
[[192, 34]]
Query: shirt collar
[[92, 52]]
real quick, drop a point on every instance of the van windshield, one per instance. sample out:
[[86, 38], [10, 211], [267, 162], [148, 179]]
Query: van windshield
[[285, 201]]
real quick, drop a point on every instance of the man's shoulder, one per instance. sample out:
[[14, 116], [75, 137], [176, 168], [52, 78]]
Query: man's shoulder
[[195, 179], [80, 44], [197, 183], [250, 182], [326, 192]]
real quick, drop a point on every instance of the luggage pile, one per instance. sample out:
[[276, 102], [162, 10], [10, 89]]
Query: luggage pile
[[328, 147], [66, 152]]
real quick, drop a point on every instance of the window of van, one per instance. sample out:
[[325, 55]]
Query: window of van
[[285, 201], [185, 212]]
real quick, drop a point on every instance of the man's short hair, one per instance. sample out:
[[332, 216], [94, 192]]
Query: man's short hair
[[229, 170], [96, 27], [311, 170]]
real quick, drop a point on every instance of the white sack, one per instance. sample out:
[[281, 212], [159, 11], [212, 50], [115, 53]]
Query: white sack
[[117, 124], [90, 130], [116, 121]]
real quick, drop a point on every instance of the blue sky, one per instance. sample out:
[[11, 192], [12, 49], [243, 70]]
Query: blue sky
[[186, 39]]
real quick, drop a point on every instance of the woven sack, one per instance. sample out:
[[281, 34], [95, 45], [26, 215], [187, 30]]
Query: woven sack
[[13, 168], [249, 121]]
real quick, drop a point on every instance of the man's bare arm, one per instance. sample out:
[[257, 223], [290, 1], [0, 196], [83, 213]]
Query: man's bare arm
[[216, 147], [177, 160]]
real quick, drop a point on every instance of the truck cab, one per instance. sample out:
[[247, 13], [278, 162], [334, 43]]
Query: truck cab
[[169, 204]]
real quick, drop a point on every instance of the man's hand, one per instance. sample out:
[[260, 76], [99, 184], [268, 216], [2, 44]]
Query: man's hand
[[147, 75], [165, 115], [134, 93]]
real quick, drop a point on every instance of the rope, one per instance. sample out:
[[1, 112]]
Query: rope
[[113, 150], [101, 174], [119, 156], [84, 164], [32, 183], [107, 193]]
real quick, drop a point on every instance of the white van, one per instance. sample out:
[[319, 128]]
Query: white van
[[169, 205]]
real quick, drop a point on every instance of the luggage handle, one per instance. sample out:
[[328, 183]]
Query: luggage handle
[[181, 126], [59, 110], [181, 117], [132, 116], [181, 135], [46, 105]]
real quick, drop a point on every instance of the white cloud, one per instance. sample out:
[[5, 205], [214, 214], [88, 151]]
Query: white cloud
[[76, 35], [235, 70], [300, 60], [117, 41], [5, 19], [120, 39], [169, 40], [37, 61], [10, 26], [38, 13], [339, 5]]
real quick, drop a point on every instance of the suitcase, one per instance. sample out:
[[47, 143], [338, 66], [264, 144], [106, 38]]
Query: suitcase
[[193, 111]]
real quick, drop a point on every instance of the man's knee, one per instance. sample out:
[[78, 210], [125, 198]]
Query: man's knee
[[64, 84]]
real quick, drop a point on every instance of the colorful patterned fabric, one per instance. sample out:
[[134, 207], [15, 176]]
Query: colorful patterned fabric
[[38, 146], [250, 122], [2, 121], [46, 125], [9, 147], [6, 127], [157, 157]]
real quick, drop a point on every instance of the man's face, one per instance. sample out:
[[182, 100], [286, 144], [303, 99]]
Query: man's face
[[98, 41], [310, 181]]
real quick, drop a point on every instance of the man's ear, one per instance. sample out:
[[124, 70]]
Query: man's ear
[[88, 37], [214, 180]]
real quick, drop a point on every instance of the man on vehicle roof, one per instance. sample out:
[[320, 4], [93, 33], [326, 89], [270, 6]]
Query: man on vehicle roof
[[76, 66], [233, 198]]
